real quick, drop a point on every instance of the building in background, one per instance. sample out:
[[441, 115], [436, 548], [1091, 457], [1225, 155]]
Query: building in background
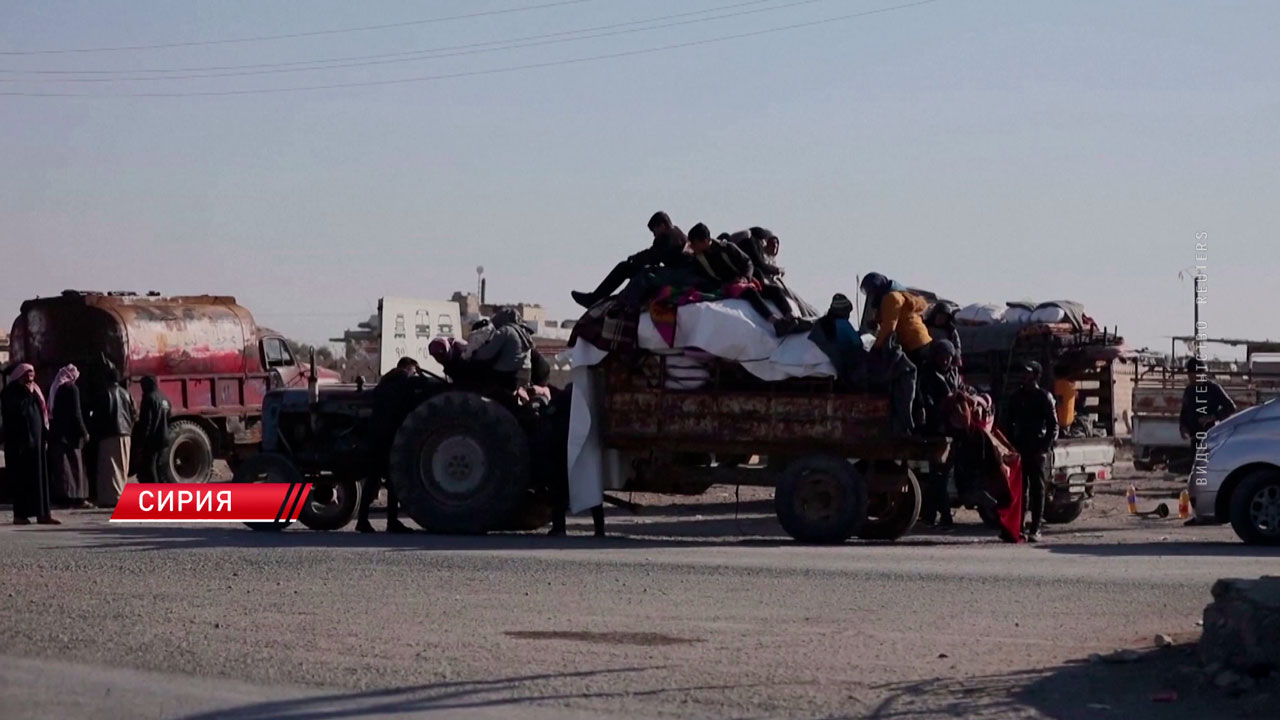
[[413, 323]]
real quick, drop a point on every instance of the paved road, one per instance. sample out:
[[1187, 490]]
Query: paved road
[[693, 613]]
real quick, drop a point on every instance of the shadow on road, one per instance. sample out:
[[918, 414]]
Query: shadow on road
[[438, 697], [1168, 549], [1164, 684]]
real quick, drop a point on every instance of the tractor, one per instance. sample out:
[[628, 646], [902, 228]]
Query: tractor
[[461, 461]]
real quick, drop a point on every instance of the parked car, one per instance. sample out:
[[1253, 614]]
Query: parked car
[[1239, 481]]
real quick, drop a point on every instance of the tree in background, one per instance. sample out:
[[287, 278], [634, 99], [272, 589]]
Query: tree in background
[[324, 356]]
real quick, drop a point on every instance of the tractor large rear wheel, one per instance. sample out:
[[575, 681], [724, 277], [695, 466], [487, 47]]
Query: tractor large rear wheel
[[460, 464]]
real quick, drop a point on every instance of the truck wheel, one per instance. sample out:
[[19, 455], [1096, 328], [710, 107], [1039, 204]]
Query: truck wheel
[[267, 468], [821, 499], [1255, 507], [189, 457], [1063, 512], [893, 503], [460, 464], [332, 503]]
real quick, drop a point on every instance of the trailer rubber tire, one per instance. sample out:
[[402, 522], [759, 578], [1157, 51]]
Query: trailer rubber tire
[[1061, 513], [1255, 507], [460, 464], [890, 515], [264, 468], [189, 456], [319, 512], [821, 499]]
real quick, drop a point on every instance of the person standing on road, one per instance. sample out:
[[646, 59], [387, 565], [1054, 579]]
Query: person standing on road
[[938, 381], [67, 435], [1204, 404], [25, 418], [1033, 429], [111, 424], [393, 400], [151, 434]]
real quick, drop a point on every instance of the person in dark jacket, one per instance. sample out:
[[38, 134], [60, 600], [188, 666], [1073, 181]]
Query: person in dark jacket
[[1032, 429], [111, 426], [25, 417], [393, 400], [552, 464], [667, 250], [723, 266], [937, 382], [835, 335], [1204, 404], [151, 433], [69, 486]]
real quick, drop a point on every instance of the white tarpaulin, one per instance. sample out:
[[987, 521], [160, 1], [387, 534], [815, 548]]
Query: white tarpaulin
[[728, 329]]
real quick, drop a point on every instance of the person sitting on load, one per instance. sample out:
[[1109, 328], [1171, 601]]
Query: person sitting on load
[[723, 267], [667, 250], [502, 363], [898, 313]]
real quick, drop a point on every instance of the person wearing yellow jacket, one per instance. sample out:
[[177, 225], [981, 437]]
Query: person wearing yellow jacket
[[897, 312]]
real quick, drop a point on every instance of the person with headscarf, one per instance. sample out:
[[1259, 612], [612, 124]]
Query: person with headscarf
[[67, 436], [897, 314], [151, 433], [26, 416], [941, 321], [503, 361], [111, 425], [938, 381]]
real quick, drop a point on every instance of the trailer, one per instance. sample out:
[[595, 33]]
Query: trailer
[[837, 470]]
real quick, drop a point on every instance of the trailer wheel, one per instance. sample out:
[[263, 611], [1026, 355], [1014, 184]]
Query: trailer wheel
[[460, 464], [267, 468], [1063, 512], [821, 499], [332, 503], [893, 502], [189, 457], [1255, 507]]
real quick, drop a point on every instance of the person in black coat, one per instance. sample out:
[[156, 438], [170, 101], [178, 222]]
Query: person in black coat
[[1032, 425], [393, 400], [69, 485], [723, 266], [551, 453], [667, 250], [24, 414], [151, 433], [937, 382]]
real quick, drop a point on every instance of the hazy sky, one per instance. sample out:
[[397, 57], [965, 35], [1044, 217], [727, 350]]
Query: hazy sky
[[990, 150]]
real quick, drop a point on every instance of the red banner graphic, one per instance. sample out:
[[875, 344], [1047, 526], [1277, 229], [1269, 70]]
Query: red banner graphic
[[212, 502]]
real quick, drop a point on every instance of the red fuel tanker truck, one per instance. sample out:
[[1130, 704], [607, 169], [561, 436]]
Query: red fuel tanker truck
[[211, 359]]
